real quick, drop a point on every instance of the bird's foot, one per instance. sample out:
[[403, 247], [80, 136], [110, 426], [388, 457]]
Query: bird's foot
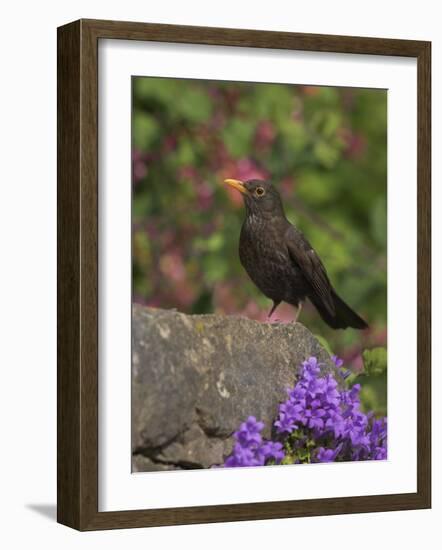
[[298, 312], [273, 321]]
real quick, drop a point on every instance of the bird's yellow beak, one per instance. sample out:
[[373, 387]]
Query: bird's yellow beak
[[237, 184]]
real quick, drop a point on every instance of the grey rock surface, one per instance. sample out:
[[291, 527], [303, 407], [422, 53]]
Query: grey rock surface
[[195, 378]]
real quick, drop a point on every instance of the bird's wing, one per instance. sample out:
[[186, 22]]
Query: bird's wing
[[302, 253]]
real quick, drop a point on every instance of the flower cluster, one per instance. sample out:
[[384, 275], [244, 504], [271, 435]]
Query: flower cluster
[[250, 449], [317, 411], [319, 422]]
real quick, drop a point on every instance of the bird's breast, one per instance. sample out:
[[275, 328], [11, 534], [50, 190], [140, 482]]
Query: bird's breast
[[264, 255]]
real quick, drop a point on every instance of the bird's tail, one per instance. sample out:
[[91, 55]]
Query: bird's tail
[[343, 317]]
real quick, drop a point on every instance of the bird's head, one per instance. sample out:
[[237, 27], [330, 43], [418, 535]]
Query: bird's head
[[260, 197]]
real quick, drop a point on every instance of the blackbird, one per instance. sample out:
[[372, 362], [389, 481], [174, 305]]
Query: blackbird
[[280, 260]]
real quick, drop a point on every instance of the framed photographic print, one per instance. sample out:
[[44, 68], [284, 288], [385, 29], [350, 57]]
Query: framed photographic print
[[243, 274]]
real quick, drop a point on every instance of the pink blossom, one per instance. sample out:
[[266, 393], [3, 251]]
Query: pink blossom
[[287, 186], [139, 165], [204, 195], [247, 169], [172, 266], [224, 298], [170, 143], [184, 294], [354, 142], [188, 172], [265, 134]]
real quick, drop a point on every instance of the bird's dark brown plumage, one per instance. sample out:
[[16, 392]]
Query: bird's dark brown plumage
[[280, 260]]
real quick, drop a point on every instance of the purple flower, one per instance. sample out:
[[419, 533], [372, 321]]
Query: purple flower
[[291, 408], [271, 450], [335, 424], [345, 373], [327, 455], [249, 433], [250, 449], [313, 416], [310, 368], [380, 453], [337, 360], [319, 422], [241, 456], [331, 394], [285, 423], [297, 393], [378, 439]]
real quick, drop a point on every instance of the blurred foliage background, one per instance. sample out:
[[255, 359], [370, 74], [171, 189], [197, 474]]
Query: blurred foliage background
[[325, 148]]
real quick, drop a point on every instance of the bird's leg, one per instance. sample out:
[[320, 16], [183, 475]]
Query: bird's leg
[[298, 312], [275, 305]]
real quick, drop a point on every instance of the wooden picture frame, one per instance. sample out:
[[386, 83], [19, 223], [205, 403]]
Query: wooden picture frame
[[77, 461]]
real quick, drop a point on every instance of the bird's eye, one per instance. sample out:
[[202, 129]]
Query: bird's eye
[[259, 191]]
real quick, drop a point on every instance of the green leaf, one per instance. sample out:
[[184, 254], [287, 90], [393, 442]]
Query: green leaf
[[323, 343], [203, 304], [325, 153], [379, 221], [215, 268], [238, 137], [185, 153], [331, 123], [315, 187], [193, 104], [375, 361], [144, 130]]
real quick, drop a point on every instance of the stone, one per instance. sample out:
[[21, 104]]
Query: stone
[[195, 378]]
